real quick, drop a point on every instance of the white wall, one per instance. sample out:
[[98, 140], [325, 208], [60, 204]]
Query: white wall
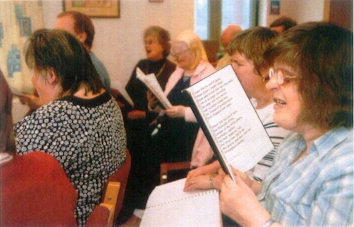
[[118, 41]]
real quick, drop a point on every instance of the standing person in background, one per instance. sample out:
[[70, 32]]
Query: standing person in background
[[179, 127], [79, 123], [226, 37], [282, 24], [81, 26], [312, 178], [145, 167]]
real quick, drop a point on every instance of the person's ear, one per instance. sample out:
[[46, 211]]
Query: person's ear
[[52, 77], [82, 37]]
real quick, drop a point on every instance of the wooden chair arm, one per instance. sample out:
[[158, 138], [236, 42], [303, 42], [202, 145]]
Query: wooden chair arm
[[103, 214]]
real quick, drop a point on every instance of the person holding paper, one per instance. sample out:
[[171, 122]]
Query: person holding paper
[[177, 135], [246, 51], [312, 178], [157, 48], [139, 121]]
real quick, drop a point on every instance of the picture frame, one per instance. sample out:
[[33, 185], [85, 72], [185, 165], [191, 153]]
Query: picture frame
[[275, 7], [25, 26], [94, 8]]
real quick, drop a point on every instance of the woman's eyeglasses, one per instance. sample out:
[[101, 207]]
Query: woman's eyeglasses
[[280, 76], [175, 55]]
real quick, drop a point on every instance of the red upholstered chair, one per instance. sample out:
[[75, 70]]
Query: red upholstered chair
[[35, 191]]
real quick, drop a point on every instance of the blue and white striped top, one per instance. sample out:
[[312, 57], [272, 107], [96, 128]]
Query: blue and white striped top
[[316, 190]]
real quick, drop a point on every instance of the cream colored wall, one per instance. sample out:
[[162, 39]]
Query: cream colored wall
[[118, 41], [299, 10]]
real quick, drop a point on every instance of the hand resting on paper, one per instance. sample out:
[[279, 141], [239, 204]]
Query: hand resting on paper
[[203, 182], [199, 178], [238, 201]]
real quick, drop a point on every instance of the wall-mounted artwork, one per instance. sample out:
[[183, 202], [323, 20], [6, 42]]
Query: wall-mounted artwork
[[275, 7], [25, 26], [94, 8]]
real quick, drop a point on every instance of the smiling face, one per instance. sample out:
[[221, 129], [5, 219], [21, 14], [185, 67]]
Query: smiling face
[[154, 50], [288, 101]]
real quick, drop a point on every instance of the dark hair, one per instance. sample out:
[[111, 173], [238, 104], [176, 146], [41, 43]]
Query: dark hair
[[287, 22], [163, 36], [63, 53], [252, 43], [82, 23], [321, 54]]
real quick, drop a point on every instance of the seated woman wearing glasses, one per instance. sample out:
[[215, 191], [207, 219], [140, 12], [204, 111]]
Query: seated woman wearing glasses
[[311, 180], [246, 51]]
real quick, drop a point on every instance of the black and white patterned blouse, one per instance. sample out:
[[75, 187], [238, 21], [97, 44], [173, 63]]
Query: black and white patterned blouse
[[87, 137]]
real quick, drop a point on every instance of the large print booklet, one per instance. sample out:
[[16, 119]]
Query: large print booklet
[[151, 82], [169, 206], [229, 120]]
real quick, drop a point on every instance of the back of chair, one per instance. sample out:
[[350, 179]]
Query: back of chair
[[170, 171], [35, 191], [212, 49], [121, 176]]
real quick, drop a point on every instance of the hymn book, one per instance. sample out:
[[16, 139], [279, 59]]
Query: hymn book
[[229, 120], [151, 82], [169, 205]]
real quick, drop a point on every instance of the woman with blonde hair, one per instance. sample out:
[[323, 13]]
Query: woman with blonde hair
[[179, 128]]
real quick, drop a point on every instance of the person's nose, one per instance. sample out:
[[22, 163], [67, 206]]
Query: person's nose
[[272, 83]]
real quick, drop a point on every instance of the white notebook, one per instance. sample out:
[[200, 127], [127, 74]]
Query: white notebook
[[168, 205]]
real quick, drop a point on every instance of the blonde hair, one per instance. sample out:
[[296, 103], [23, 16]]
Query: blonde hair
[[195, 45]]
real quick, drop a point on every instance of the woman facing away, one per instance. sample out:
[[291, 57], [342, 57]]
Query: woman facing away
[[80, 123], [246, 51], [311, 180]]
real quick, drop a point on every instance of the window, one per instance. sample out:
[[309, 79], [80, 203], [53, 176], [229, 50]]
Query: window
[[213, 16]]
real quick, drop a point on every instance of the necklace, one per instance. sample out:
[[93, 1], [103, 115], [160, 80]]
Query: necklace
[[160, 71], [162, 68]]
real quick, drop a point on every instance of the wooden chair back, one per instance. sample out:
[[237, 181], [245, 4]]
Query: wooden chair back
[[167, 167]]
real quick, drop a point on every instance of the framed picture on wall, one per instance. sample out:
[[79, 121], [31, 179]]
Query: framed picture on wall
[[94, 8], [275, 7]]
